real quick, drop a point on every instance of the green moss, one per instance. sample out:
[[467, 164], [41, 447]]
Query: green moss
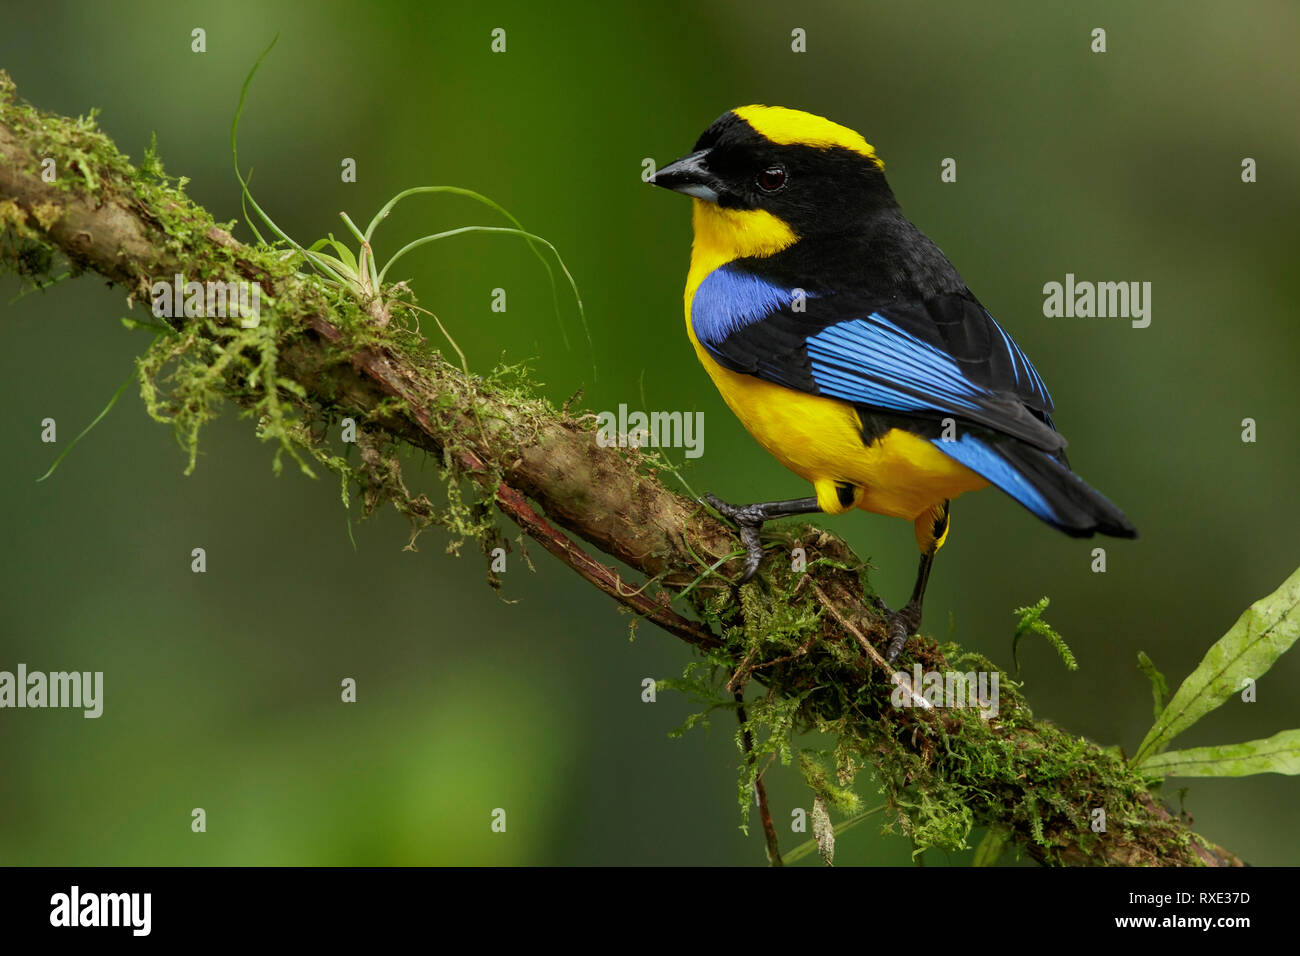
[[942, 772], [188, 375]]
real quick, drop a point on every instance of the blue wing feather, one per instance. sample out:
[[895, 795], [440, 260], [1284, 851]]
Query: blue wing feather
[[938, 358], [920, 376]]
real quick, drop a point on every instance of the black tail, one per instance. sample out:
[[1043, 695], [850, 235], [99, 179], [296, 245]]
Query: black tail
[[1075, 507], [1044, 485]]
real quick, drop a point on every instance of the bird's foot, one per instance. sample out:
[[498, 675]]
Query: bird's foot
[[903, 623], [749, 519]]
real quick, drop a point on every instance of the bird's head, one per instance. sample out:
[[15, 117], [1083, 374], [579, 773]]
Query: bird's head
[[764, 177]]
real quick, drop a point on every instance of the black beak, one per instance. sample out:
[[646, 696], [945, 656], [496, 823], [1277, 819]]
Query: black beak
[[690, 175]]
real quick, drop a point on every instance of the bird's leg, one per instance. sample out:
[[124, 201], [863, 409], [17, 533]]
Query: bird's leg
[[749, 519], [931, 530], [905, 622]]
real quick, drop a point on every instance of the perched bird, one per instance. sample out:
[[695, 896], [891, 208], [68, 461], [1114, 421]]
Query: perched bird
[[849, 346]]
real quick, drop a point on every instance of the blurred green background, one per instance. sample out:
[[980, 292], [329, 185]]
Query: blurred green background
[[222, 689]]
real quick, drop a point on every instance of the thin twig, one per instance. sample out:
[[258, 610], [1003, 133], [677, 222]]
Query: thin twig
[[898, 678], [764, 811]]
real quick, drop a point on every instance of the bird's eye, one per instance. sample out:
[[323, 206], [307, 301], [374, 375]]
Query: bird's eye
[[771, 179]]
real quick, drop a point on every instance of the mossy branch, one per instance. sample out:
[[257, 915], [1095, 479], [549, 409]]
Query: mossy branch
[[803, 636]]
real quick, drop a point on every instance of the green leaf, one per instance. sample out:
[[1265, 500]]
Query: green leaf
[[1277, 754], [534, 243], [344, 253], [990, 848], [1260, 636], [86, 431], [810, 846], [1159, 687]]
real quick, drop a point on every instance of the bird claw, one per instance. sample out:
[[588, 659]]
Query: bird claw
[[903, 623], [899, 625], [749, 519]]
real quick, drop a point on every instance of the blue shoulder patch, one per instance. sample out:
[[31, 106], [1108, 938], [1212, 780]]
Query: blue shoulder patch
[[729, 299]]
